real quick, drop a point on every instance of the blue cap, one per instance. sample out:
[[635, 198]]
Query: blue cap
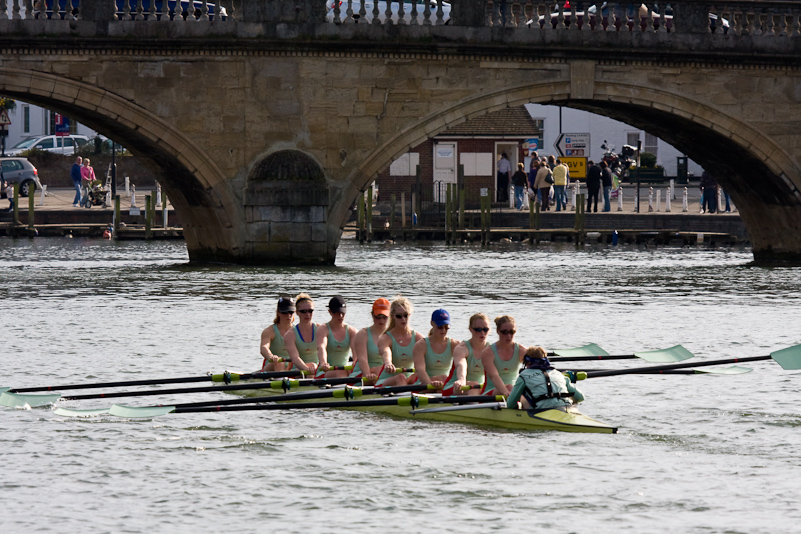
[[441, 317]]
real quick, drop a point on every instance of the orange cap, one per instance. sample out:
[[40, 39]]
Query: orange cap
[[381, 306]]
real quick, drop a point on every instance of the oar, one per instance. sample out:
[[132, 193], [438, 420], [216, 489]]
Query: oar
[[788, 359], [589, 353], [414, 401], [734, 370], [226, 377]]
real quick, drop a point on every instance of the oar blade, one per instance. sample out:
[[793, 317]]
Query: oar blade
[[734, 370], [65, 412], [789, 358], [3, 389], [20, 400], [591, 349], [132, 412], [669, 355]]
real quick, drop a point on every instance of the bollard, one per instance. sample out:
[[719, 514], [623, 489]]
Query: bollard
[[650, 199], [667, 201], [116, 214], [31, 201], [44, 194], [127, 186], [158, 195], [133, 196], [684, 206], [720, 199], [369, 215], [16, 204], [658, 200], [148, 217], [620, 198], [575, 194], [672, 189], [403, 209], [636, 204], [164, 213]]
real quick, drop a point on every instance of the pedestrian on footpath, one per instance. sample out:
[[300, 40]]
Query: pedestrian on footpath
[[594, 176], [75, 174], [606, 181], [559, 184], [709, 193], [504, 169], [519, 180]]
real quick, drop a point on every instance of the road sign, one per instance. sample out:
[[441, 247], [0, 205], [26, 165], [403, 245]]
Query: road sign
[[62, 125], [577, 166], [4, 119], [573, 145]]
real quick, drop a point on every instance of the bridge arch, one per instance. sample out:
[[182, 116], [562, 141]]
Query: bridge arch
[[762, 178], [195, 185]]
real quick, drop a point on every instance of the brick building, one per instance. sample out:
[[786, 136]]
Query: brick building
[[476, 143]]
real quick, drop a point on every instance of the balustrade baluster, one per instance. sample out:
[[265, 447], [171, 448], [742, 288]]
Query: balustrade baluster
[[3, 10], [140, 10], [189, 10], [649, 21], [349, 13], [496, 13], [796, 32], [560, 17], [113, 9], [15, 10], [337, 12], [43, 9], [783, 18], [388, 14], [427, 14], [770, 23], [126, 10], [413, 15], [515, 11], [759, 22], [401, 14], [162, 12], [29, 9], [611, 24], [362, 14], [573, 18], [738, 17], [750, 17], [440, 14], [376, 14], [151, 12], [204, 11]]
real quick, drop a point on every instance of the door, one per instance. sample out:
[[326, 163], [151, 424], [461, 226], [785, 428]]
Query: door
[[444, 169]]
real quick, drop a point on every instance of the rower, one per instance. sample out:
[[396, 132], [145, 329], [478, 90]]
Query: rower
[[397, 344], [467, 368], [365, 344], [272, 338], [541, 386], [433, 356], [301, 341], [502, 359], [335, 340]]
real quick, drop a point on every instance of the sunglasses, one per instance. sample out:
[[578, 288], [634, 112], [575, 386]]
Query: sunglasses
[[380, 317], [286, 313], [507, 332], [304, 312], [480, 329], [401, 315]]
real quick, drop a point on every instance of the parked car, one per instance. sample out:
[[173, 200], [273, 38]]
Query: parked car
[[369, 5], [21, 171], [60, 144]]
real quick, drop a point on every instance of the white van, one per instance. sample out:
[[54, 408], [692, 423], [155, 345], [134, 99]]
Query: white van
[[60, 144]]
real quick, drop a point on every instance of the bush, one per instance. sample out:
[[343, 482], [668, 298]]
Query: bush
[[647, 159]]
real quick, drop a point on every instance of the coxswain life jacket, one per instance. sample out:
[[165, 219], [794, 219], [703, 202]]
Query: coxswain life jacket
[[551, 394]]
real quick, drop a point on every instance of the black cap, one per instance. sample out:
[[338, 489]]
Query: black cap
[[337, 304], [286, 304]]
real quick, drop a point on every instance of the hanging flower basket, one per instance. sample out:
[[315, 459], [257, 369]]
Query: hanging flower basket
[[7, 104]]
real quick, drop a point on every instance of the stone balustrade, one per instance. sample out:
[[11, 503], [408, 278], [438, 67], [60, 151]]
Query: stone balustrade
[[732, 18]]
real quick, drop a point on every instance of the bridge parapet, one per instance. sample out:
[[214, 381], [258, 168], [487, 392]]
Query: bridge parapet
[[771, 25]]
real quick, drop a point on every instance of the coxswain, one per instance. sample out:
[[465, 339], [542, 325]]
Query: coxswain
[[397, 344], [467, 367], [272, 337], [433, 356], [335, 340], [365, 345], [541, 386], [502, 359], [301, 340]]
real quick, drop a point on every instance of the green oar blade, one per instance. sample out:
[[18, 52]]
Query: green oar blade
[[789, 358], [19, 400], [670, 355], [733, 370], [590, 349], [133, 412], [3, 389], [65, 412]]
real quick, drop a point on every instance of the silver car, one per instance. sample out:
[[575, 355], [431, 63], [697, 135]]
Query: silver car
[[21, 171]]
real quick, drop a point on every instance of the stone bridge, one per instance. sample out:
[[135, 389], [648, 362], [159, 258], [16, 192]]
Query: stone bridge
[[266, 120]]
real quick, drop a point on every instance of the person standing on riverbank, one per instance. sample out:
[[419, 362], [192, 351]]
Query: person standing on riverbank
[[606, 182], [543, 184], [709, 192], [559, 184], [504, 169], [75, 174], [594, 176], [519, 180]]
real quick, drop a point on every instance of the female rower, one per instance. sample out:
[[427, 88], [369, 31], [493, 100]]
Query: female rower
[[541, 386], [397, 344], [272, 337], [467, 368], [433, 356], [502, 359], [331, 352], [301, 341], [365, 345]]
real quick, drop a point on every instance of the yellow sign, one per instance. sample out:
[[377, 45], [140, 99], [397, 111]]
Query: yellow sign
[[577, 166]]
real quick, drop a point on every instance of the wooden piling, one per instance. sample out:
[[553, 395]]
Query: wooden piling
[[403, 209], [16, 204], [31, 201], [148, 217], [116, 214], [360, 221], [447, 214], [392, 215], [369, 216]]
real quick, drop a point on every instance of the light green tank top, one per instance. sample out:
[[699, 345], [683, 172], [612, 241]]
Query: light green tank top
[[374, 358], [438, 364], [277, 346], [402, 356], [307, 350], [506, 369], [338, 351], [475, 369]]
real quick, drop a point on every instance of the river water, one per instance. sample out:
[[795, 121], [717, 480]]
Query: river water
[[705, 454]]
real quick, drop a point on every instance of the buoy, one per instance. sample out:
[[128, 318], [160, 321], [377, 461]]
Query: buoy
[[614, 238], [107, 234]]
